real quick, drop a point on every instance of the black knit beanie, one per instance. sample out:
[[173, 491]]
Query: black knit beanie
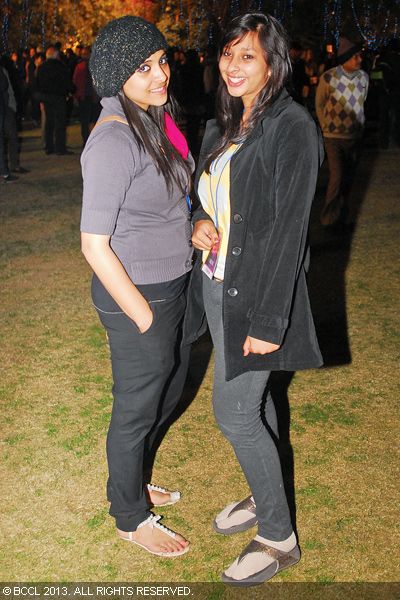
[[119, 49]]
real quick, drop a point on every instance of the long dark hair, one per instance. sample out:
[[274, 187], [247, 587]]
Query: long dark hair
[[148, 128], [274, 42]]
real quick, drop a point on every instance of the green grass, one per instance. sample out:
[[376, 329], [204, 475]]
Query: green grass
[[98, 519], [12, 440], [55, 398]]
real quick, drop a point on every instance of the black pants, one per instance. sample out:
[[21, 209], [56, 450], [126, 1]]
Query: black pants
[[149, 372], [56, 123], [342, 157], [89, 112], [11, 136], [389, 119], [3, 163]]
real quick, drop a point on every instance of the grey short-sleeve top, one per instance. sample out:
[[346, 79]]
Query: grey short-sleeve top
[[125, 198]]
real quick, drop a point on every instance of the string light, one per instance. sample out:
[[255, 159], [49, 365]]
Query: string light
[[257, 5], [75, 12], [5, 25], [367, 17], [187, 29], [25, 23], [338, 17], [368, 33], [182, 18], [326, 19], [211, 25], [375, 21], [197, 21], [22, 21], [55, 15], [234, 8], [332, 20], [43, 24], [282, 8]]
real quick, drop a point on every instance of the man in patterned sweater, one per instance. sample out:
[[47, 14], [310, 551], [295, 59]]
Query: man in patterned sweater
[[339, 103]]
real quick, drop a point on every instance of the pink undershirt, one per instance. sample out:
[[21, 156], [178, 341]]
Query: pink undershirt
[[176, 137]]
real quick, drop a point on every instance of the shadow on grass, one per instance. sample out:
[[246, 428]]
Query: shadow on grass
[[278, 386], [330, 256], [328, 298], [198, 359]]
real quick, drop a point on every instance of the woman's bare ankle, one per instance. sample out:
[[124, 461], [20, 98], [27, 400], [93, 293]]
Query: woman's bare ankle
[[155, 537], [158, 498]]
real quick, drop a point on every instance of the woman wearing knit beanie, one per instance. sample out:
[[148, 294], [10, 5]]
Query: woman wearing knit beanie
[[136, 237]]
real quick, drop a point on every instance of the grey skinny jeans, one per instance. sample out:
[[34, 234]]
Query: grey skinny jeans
[[237, 407]]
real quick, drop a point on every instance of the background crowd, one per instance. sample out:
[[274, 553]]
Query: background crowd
[[50, 87]]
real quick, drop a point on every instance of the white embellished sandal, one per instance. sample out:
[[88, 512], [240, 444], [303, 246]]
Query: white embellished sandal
[[174, 497], [152, 520]]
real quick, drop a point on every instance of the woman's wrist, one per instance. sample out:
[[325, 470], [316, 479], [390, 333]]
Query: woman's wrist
[[144, 320]]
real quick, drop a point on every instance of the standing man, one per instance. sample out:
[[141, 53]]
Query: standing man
[[339, 104], [300, 80], [5, 176], [88, 101], [54, 84], [11, 149]]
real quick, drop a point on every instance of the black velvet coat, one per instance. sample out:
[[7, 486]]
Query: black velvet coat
[[272, 184]]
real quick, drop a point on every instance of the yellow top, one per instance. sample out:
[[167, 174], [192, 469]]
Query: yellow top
[[214, 194]]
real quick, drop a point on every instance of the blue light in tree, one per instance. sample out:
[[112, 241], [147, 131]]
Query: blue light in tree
[[5, 25], [25, 23], [370, 33], [43, 24], [234, 8]]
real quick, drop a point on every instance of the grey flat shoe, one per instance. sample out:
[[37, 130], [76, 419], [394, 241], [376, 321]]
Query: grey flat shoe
[[282, 560], [238, 516]]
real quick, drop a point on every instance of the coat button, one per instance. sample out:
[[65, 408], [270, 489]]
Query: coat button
[[188, 263], [237, 218], [236, 251], [233, 292], [190, 243]]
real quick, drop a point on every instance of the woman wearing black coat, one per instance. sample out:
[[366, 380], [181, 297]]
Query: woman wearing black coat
[[256, 181]]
